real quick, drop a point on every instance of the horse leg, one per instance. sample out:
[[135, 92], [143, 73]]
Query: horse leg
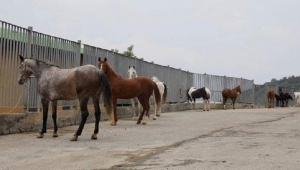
[[97, 117], [208, 104], [115, 112], [45, 104], [141, 115], [158, 108], [139, 107], [133, 106], [224, 101], [155, 107], [233, 102], [205, 104], [84, 115], [194, 104], [143, 103], [54, 117], [147, 108]]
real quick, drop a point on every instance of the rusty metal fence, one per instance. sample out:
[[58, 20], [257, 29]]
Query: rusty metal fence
[[15, 40]]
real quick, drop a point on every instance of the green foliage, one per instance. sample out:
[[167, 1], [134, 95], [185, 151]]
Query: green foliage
[[291, 81], [129, 52]]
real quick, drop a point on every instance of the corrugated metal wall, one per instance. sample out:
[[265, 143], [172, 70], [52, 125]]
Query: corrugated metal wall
[[176, 80], [15, 40], [217, 83]]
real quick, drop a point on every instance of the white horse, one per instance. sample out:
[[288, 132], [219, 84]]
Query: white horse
[[163, 93], [132, 74], [297, 98]]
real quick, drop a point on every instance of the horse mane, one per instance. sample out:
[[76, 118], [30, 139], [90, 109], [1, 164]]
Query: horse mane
[[43, 62], [111, 70], [155, 79]]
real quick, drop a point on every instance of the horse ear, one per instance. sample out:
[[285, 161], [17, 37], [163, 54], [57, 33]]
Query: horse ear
[[129, 66], [21, 58], [133, 67], [99, 59], [105, 59]]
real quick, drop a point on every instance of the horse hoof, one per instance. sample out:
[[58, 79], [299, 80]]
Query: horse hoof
[[138, 122], [75, 138], [207, 110], [55, 135], [157, 115], [114, 124], [204, 110], [94, 137], [144, 123], [154, 118], [40, 135]]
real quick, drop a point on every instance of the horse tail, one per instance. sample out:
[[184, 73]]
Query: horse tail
[[208, 92], [164, 97], [157, 95], [107, 95], [188, 95]]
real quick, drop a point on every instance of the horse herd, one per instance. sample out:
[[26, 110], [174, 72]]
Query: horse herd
[[282, 99], [88, 81]]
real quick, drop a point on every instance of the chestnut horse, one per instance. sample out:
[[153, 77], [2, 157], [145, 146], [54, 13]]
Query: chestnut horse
[[271, 96], [123, 88], [231, 94]]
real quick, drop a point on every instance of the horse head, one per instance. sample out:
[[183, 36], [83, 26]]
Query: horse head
[[102, 64], [131, 72], [25, 70], [238, 89]]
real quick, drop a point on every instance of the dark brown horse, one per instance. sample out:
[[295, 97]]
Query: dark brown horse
[[80, 83], [123, 88], [231, 94], [271, 96]]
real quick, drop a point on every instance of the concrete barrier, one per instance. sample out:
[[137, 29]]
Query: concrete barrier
[[24, 122]]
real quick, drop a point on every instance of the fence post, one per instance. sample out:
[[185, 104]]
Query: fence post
[[253, 92], [79, 58], [29, 42], [224, 82], [28, 55]]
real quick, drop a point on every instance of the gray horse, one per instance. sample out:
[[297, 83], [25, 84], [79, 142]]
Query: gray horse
[[80, 83]]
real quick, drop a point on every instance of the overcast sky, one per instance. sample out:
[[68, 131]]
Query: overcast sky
[[253, 39]]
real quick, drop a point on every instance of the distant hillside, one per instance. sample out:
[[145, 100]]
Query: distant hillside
[[291, 82]]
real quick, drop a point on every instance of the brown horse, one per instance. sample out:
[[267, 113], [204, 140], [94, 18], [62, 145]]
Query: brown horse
[[271, 96], [231, 94], [123, 88]]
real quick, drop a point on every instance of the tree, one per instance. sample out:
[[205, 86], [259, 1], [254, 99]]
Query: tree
[[115, 50], [129, 52], [273, 80]]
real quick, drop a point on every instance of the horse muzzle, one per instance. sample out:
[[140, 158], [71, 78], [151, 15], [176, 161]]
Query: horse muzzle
[[21, 81]]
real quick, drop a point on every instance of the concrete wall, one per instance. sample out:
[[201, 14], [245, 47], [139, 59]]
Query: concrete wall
[[25, 122]]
